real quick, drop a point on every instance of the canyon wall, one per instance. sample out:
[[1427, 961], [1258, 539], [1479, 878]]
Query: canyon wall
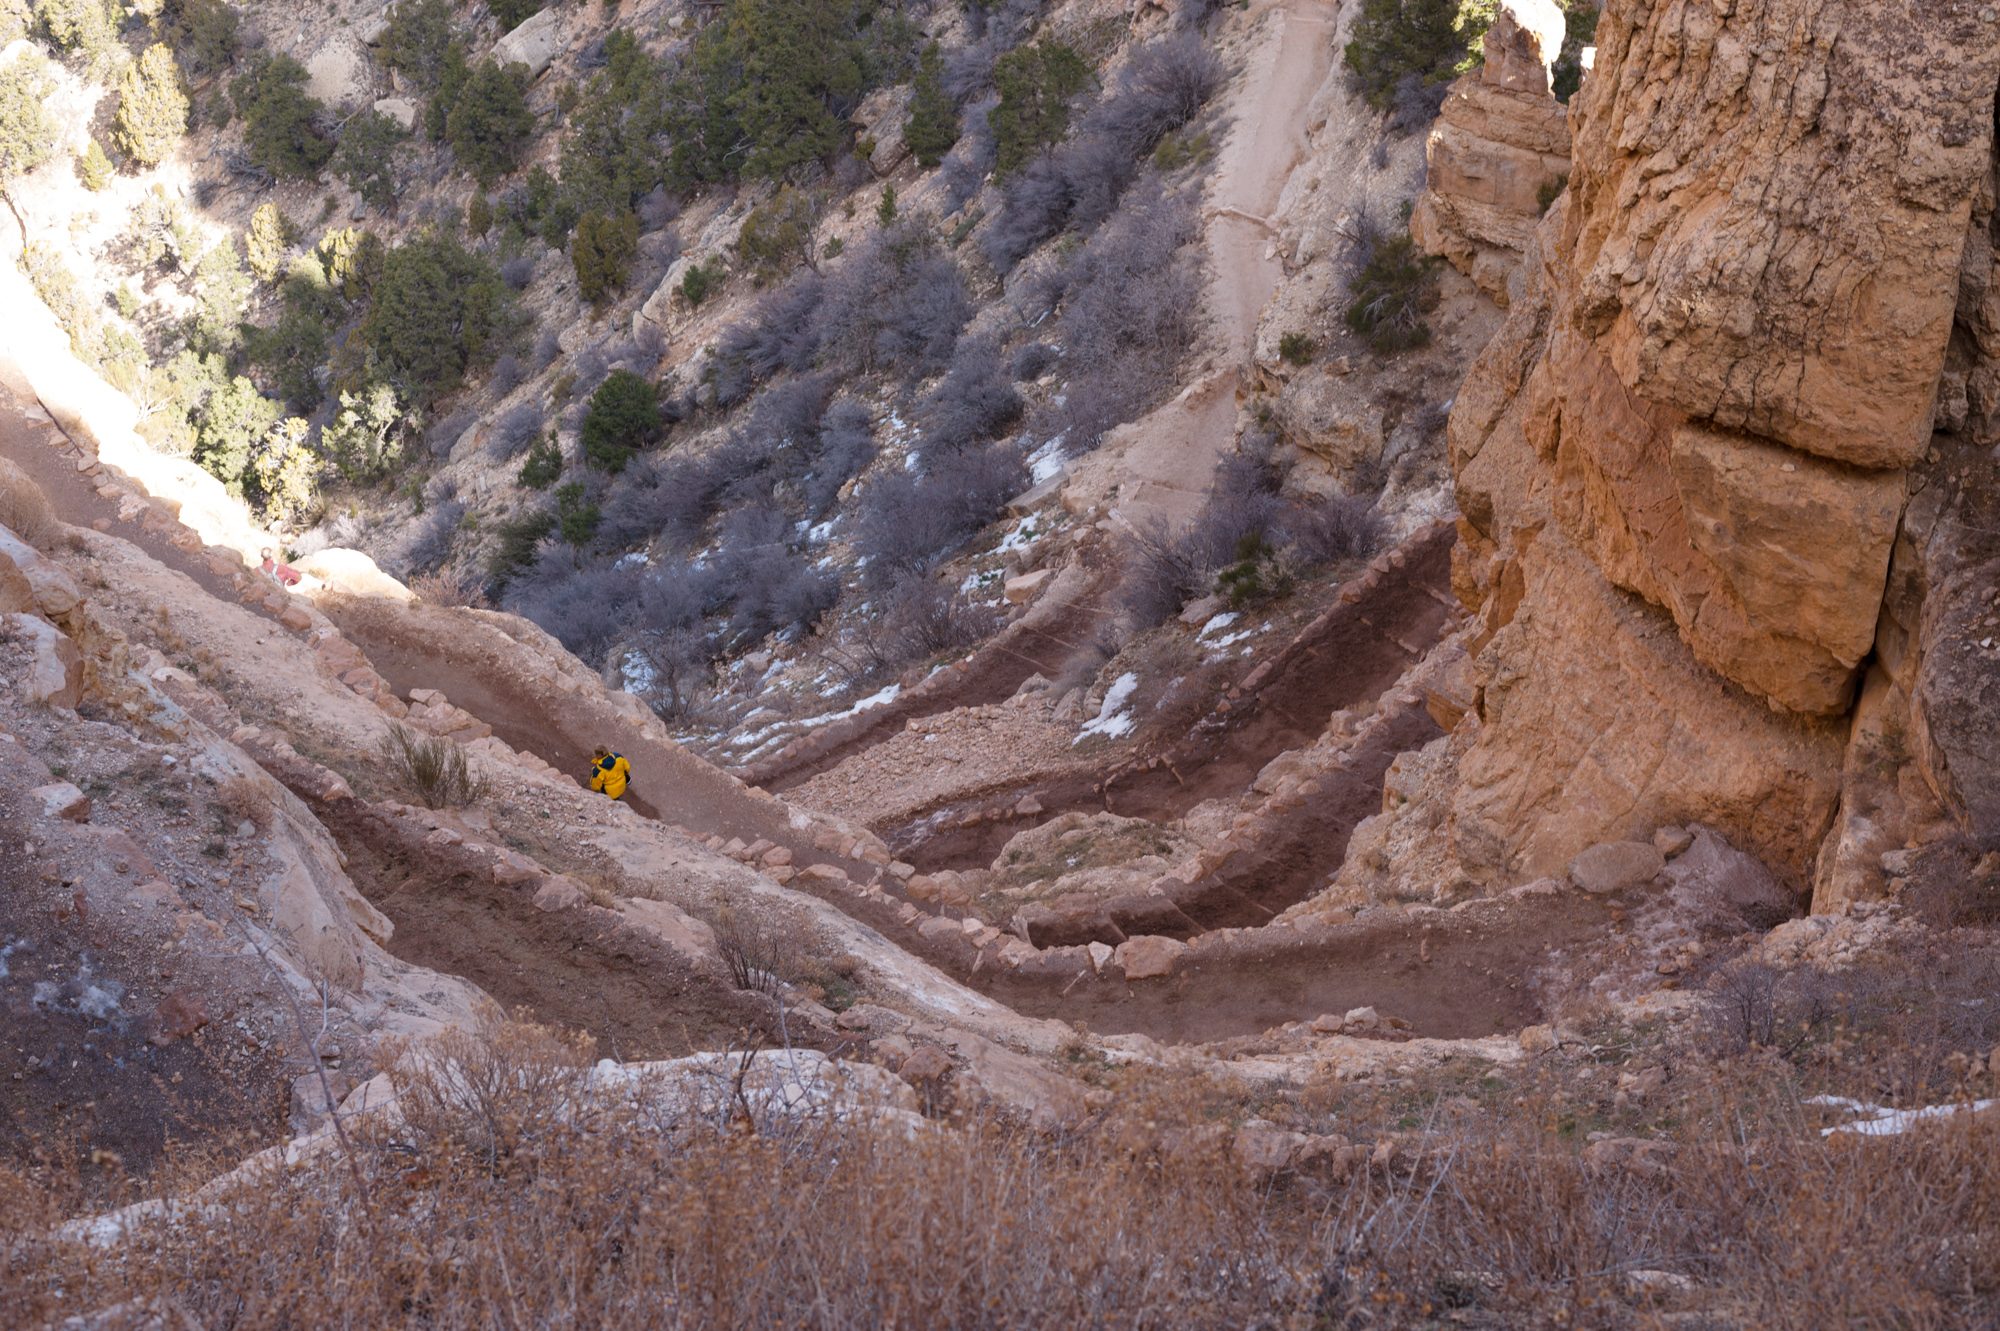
[[1724, 474]]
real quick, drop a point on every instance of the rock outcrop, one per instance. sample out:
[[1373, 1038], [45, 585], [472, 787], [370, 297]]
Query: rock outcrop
[[1499, 152], [1683, 463]]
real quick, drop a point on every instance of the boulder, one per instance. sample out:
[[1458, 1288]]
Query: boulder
[[1725, 889], [881, 120], [560, 892], [32, 583], [1023, 589], [338, 73], [1614, 866], [1149, 956], [536, 43], [354, 574], [997, 1077], [402, 110], [62, 800], [55, 666]]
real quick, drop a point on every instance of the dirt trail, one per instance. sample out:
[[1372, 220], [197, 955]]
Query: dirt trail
[[485, 672], [1043, 642], [1449, 975], [36, 447], [1359, 652], [1161, 467]]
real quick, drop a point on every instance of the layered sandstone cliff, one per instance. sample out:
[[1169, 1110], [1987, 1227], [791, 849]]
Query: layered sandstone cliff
[[1685, 463], [1499, 152]]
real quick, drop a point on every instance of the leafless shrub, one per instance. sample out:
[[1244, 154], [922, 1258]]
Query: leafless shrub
[[494, 1097], [1337, 527], [907, 520], [433, 768], [429, 543], [24, 509], [518, 272], [447, 431], [658, 209], [547, 348], [517, 428], [1033, 360], [923, 618], [1130, 311], [895, 304], [244, 801], [1083, 182], [588, 607], [756, 952], [974, 402], [508, 372], [451, 587]]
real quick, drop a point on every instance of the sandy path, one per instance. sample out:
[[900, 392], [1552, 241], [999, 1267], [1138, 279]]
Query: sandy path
[[1160, 466]]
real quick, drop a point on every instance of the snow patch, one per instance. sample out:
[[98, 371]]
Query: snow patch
[[1879, 1121], [1218, 623], [1112, 718]]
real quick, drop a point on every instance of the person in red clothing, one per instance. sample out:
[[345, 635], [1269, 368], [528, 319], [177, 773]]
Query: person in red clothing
[[282, 573]]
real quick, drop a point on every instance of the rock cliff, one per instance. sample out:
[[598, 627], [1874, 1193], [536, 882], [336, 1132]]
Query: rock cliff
[[1686, 464], [1499, 151]]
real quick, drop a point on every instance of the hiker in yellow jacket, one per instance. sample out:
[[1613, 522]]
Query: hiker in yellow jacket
[[610, 774]]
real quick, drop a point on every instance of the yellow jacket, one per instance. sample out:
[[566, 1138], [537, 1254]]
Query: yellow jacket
[[611, 776]]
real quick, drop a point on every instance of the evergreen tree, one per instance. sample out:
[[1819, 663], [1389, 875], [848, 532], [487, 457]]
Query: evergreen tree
[[264, 245], [366, 157], [93, 168], [438, 310], [624, 416], [885, 211], [418, 38], [152, 107], [87, 29], [1036, 84], [234, 421], [280, 120], [363, 441], [602, 251], [27, 130], [932, 129], [489, 122], [202, 33]]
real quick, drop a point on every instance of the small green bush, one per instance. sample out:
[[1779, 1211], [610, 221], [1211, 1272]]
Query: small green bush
[[93, 168], [701, 281], [543, 465], [514, 544], [1297, 348], [511, 14], [264, 245], [1393, 290], [1550, 191], [624, 416], [576, 516], [778, 235]]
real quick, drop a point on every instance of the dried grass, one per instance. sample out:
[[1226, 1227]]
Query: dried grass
[[24, 509]]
